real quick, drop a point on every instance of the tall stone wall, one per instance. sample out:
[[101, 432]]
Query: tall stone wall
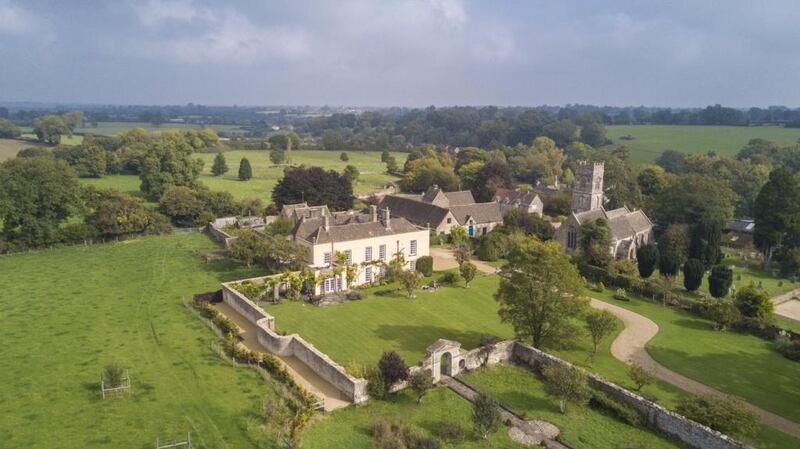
[[295, 346], [676, 426]]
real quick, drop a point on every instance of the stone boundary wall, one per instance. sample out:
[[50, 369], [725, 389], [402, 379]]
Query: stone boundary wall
[[215, 229], [295, 346], [672, 424]]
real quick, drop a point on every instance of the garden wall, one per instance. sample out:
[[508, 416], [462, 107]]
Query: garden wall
[[294, 346], [672, 424], [215, 229]]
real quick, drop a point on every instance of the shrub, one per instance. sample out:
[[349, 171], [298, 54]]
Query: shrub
[[621, 295], [754, 303], [640, 376], [420, 382], [112, 375], [393, 369], [719, 281], [726, 415], [646, 259], [452, 432], [357, 370], [450, 278], [425, 265], [600, 287], [623, 412], [788, 347], [354, 295], [485, 415], [565, 383], [376, 385], [722, 312]]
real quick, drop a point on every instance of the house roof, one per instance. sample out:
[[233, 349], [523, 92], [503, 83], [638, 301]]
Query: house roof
[[460, 198], [622, 222], [480, 212], [287, 209], [511, 196], [415, 211], [313, 229], [742, 225]]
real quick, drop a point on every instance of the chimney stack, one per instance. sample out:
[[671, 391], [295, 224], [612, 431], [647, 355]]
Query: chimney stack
[[326, 222], [385, 219], [374, 213]]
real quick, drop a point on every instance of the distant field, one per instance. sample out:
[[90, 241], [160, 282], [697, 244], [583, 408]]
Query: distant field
[[113, 128], [10, 147], [265, 175], [650, 140]]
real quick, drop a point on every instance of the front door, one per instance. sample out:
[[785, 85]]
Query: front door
[[445, 364]]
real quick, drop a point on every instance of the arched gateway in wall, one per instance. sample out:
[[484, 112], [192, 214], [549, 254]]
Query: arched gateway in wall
[[446, 358]]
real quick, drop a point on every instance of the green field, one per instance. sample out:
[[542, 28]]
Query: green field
[[68, 312], [10, 147], [752, 370], [651, 140], [266, 175], [350, 428], [362, 330], [114, 128], [581, 427]]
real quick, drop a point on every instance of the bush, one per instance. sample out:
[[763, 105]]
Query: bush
[[376, 385], [754, 303], [354, 295], [640, 376], [452, 432], [600, 287], [450, 278], [393, 369], [788, 347], [397, 435], [623, 412], [719, 281], [621, 295], [112, 375], [693, 271], [425, 265], [730, 416], [722, 312]]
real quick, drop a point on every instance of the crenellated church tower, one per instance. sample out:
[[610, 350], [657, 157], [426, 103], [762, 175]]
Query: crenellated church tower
[[587, 194]]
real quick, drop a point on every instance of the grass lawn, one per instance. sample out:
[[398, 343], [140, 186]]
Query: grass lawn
[[581, 427], [737, 364], [113, 128], [67, 312], [265, 175], [651, 140], [362, 330], [350, 427]]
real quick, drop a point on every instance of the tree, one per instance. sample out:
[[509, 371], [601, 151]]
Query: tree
[[277, 155], [88, 161], [245, 171], [419, 174], [168, 161], [640, 376], [332, 140], [494, 174], [410, 280], [486, 415], [352, 173], [754, 303], [561, 131], [493, 246], [468, 271], [37, 195], [315, 186], [385, 155], [393, 369], [530, 224], [672, 161], [693, 272], [672, 248], [594, 134], [184, 207], [595, 241], [652, 180], [114, 214], [599, 323], [722, 312], [565, 383], [646, 259], [9, 130], [50, 128], [705, 240], [728, 415], [693, 198], [540, 292], [220, 167], [719, 281], [391, 166], [777, 213], [247, 247], [421, 382], [344, 157]]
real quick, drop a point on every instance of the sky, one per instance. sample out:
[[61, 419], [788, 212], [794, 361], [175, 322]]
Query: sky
[[401, 52]]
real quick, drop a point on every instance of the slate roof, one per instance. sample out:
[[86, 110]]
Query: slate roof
[[314, 228], [512, 196], [741, 225], [480, 212], [415, 211], [622, 222], [460, 198]]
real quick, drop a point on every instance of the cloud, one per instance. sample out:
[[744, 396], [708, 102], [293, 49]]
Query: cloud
[[156, 12], [17, 21]]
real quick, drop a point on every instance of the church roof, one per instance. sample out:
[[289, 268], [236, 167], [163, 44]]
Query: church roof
[[622, 222]]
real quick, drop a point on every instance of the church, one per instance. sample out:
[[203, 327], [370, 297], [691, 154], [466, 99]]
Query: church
[[629, 229]]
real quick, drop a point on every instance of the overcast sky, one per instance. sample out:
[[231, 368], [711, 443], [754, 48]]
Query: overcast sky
[[405, 53]]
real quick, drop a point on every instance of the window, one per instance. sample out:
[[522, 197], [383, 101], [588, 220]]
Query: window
[[368, 274], [382, 271], [349, 254], [413, 249], [326, 258], [483, 231], [382, 252], [368, 253], [412, 265], [328, 285], [449, 220], [339, 283], [572, 240]]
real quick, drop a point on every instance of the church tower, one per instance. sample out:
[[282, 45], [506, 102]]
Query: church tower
[[588, 191]]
